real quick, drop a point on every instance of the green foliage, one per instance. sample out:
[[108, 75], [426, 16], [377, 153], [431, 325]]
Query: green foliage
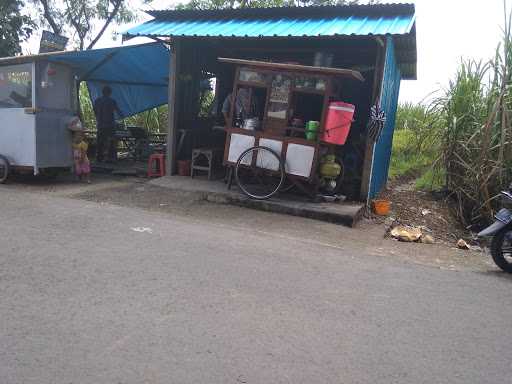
[[476, 146], [452, 142], [467, 133], [465, 108], [230, 4], [14, 27], [415, 141], [205, 103], [87, 117], [81, 18], [153, 120], [432, 180], [422, 122], [406, 161]]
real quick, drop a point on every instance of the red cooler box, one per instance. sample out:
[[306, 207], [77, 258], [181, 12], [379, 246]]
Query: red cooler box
[[337, 123]]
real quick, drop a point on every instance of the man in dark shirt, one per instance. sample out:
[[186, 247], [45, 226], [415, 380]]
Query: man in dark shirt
[[104, 108]]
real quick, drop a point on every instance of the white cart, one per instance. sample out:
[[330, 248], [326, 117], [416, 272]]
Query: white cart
[[37, 97]]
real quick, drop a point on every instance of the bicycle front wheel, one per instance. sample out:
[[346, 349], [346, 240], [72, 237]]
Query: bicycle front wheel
[[259, 172]]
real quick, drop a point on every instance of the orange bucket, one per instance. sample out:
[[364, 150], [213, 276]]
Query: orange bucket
[[381, 207]]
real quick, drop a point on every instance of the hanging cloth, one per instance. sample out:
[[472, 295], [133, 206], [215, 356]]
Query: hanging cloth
[[376, 123]]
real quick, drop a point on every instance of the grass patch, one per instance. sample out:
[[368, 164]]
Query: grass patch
[[406, 160], [416, 144], [430, 180]]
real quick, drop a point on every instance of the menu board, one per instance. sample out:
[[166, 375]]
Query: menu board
[[279, 97], [280, 91]]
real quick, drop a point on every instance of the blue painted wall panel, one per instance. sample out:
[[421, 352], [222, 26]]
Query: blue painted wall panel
[[389, 103]]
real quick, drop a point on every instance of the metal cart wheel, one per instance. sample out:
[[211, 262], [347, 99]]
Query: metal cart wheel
[[4, 169], [259, 172]]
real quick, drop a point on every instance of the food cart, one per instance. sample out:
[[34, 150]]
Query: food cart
[[294, 121], [37, 98]]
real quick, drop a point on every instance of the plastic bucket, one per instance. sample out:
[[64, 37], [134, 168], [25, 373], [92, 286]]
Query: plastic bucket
[[381, 207], [184, 167], [338, 122], [312, 129]]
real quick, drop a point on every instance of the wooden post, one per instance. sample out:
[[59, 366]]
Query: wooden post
[[377, 90], [172, 105], [77, 101]]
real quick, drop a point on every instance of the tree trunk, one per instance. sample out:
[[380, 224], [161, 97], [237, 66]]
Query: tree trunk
[[49, 18], [117, 5]]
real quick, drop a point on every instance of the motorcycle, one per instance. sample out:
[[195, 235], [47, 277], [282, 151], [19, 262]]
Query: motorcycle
[[501, 232]]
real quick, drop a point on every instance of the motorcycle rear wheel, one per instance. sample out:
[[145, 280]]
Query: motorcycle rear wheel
[[4, 169], [501, 250]]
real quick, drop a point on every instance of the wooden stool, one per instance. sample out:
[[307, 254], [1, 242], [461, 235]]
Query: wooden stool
[[210, 155], [156, 165]]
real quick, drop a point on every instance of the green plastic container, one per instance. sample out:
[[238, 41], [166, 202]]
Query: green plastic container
[[312, 129]]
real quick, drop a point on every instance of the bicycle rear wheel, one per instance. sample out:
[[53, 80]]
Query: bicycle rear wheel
[[4, 169], [259, 172]]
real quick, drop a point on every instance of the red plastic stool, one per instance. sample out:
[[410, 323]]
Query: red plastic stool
[[156, 165]]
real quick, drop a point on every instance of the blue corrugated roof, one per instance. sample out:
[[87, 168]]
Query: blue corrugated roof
[[281, 27], [398, 20], [394, 19]]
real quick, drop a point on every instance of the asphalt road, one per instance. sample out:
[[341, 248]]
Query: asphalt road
[[97, 293]]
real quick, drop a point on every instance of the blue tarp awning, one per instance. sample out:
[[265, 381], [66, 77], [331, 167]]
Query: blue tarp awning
[[137, 74]]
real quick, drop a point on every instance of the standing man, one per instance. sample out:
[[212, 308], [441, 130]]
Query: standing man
[[104, 108], [245, 107]]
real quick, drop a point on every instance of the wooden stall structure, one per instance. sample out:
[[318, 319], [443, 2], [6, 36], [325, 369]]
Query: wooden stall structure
[[378, 41], [284, 92]]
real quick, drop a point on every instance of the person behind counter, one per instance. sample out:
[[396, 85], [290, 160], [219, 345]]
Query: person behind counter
[[104, 109], [244, 107]]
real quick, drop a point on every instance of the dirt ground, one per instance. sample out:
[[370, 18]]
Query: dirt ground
[[421, 209], [369, 235]]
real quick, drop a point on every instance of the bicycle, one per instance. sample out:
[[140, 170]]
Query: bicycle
[[260, 172]]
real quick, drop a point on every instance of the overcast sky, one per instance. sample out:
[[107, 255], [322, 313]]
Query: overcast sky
[[446, 31]]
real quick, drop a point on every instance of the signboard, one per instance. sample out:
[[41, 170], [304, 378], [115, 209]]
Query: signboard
[[50, 42], [280, 91]]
